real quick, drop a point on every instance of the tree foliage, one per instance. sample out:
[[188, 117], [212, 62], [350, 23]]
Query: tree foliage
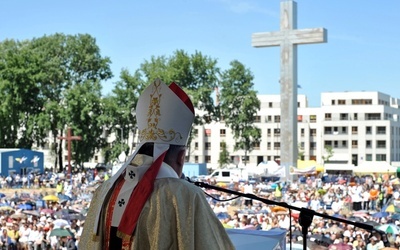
[[239, 105], [52, 83], [224, 158], [44, 82], [328, 154]]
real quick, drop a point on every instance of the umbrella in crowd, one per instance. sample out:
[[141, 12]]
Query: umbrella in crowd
[[64, 197], [222, 216], [372, 223], [394, 216], [18, 216], [50, 198], [380, 214], [60, 223], [69, 214], [389, 228], [321, 239], [278, 209], [357, 219], [6, 208], [31, 212], [25, 206], [15, 199], [340, 246], [392, 209], [61, 232], [47, 211], [2, 195]]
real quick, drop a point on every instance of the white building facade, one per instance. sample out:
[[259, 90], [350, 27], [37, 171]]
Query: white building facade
[[359, 126]]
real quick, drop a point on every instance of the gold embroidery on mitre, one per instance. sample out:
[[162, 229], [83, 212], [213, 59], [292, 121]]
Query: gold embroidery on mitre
[[153, 132]]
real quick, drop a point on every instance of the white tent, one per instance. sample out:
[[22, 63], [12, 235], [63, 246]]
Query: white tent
[[375, 167]]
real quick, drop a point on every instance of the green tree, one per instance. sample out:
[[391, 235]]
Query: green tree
[[239, 105], [328, 154], [196, 74], [300, 155], [36, 79], [224, 158], [120, 107]]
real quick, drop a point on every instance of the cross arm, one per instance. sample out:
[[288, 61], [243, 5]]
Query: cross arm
[[303, 36]]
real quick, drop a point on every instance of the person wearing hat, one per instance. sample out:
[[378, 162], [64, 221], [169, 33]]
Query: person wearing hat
[[372, 243], [146, 205]]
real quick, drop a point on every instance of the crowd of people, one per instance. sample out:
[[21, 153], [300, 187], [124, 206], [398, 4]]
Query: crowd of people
[[31, 211], [373, 200]]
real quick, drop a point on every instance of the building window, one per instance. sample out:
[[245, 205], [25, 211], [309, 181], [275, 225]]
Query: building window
[[381, 130], [270, 104], [361, 101], [302, 132], [380, 157], [302, 145], [354, 144], [269, 118], [257, 118], [368, 157], [256, 145], [341, 102], [328, 116], [355, 116], [368, 130], [344, 130], [207, 132], [207, 145], [277, 118], [344, 116], [368, 144], [381, 144], [313, 145], [328, 144], [269, 131], [344, 144], [327, 130], [277, 145], [195, 131], [222, 132], [268, 145], [299, 118], [313, 118], [354, 130], [196, 146], [208, 158], [277, 131], [373, 116], [96, 158], [313, 132], [196, 159], [335, 144]]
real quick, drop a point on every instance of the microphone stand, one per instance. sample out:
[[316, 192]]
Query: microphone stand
[[306, 215]]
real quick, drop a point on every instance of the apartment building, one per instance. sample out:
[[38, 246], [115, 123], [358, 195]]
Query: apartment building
[[359, 126]]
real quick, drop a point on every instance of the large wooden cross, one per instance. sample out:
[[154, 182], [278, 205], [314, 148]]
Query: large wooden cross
[[69, 138], [288, 38]]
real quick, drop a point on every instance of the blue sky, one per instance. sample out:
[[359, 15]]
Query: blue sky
[[362, 52]]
